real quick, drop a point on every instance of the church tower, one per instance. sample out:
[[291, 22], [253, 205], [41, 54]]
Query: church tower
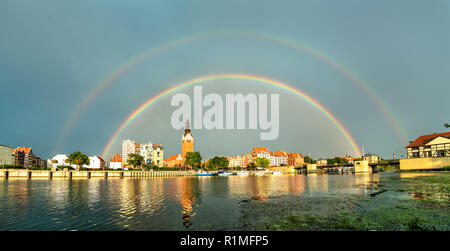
[[187, 142]]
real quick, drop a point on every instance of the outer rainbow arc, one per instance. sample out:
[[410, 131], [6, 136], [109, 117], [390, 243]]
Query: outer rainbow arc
[[309, 99], [124, 68], [377, 100], [121, 70]]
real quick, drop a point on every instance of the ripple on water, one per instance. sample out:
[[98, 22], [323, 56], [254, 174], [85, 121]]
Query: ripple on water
[[187, 203]]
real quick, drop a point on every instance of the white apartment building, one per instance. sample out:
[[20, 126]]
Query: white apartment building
[[278, 159], [59, 160], [146, 152], [128, 147], [131, 146], [116, 162]]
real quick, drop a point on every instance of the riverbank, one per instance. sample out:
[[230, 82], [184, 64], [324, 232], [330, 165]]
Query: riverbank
[[51, 174], [397, 202], [47, 174]]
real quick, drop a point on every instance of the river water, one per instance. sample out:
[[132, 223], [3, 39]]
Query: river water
[[201, 203]]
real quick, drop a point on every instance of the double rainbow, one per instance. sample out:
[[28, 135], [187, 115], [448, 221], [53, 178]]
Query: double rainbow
[[100, 87], [205, 80]]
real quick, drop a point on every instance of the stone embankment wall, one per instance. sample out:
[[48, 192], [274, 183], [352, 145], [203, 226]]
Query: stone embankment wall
[[424, 163], [32, 174]]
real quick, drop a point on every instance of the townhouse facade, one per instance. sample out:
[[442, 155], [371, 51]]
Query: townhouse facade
[[278, 159], [295, 159], [239, 161], [260, 152], [157, 155], [131, 146]]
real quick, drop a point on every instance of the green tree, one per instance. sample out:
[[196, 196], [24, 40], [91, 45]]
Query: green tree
[[337, 161], [447, 125], [251, 166], [136, 160], [193, 159], [309, 160], [218, 162], [78, 159], [153, 167], [262, 162]]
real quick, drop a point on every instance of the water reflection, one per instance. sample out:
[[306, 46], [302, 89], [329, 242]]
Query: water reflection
[[366, 182], [187, 201], [166, 203], [430, 187]]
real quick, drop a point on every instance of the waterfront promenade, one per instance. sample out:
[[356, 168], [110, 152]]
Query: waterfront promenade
[[52, 174], [47, 174]]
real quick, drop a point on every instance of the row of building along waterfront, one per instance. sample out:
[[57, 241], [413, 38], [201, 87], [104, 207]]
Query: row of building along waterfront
[[20, 156], [276, 158], [153, 154], [436, 145]]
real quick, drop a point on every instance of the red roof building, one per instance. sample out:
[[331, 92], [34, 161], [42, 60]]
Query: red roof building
[[23, 156], [174, 161], [430, 145], [295, 159]]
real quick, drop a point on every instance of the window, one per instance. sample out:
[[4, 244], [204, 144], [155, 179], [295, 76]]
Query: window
[[441, 153]]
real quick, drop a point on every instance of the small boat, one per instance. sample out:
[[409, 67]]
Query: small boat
[[220, 173], [243, 173], [205, 174], [259, 173], [277, 172]]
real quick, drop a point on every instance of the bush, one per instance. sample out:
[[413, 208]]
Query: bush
[[63, 167], [166, 169], [11, 167], [38, 168], [445, 168]]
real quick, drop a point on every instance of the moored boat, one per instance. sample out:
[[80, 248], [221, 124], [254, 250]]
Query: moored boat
[[221, 173], [205, 174], [277, 172]]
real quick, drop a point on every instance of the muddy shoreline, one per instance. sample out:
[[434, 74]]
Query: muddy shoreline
[[397, 202]]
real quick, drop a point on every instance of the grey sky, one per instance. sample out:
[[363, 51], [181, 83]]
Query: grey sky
[[54, 53]]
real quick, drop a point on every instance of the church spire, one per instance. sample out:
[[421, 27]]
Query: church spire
[[187, 128], [188, 124]]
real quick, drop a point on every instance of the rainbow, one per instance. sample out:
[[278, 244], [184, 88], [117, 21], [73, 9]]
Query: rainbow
[[371, 93], [100, 87], [289, 88]]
